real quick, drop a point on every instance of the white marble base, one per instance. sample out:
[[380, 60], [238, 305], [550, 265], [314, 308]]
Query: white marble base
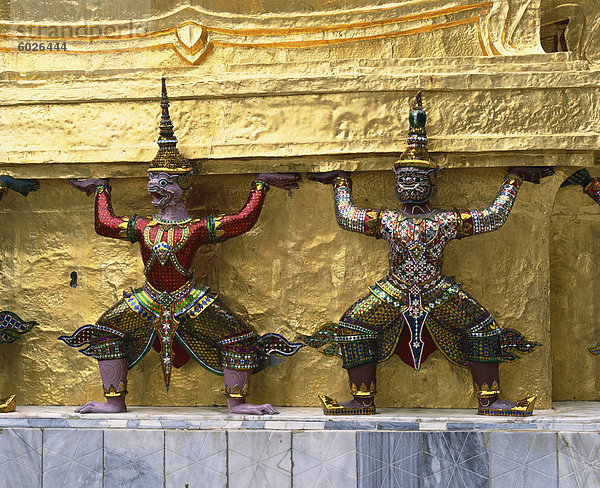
[[73, 457], [300, 447], [196, 455]]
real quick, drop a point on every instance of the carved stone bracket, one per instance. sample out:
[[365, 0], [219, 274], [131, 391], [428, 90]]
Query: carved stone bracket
[[579, 22], [190, 32], [193, 43]]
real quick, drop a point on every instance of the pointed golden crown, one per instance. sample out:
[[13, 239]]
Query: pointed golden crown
[[416, 155], [168, 159]]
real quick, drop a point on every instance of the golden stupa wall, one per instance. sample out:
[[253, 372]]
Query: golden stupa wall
[[274, 86]]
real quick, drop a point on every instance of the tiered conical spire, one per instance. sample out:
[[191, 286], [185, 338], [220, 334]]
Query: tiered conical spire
[[168, 159], [416, 155]]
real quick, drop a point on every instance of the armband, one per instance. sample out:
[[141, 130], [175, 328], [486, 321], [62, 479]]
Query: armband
[[372, 223], [464, 223], [102, 188], [513, 180], [342, 181], [128, 228], [214, 233], [260, 185]]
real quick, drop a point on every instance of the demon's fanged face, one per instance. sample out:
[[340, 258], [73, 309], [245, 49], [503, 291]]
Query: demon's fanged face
[[164, 189], [413, 185]]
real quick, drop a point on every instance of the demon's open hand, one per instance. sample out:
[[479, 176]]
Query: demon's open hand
[[20, 186], [287, 181], [327, 177], [531, 173], [581, 177], [88, 186]]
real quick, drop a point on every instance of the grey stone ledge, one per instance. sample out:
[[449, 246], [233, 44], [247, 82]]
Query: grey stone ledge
[[564, 417]]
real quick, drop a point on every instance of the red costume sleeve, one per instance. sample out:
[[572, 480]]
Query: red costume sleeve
[[107, 223], [223, 227]]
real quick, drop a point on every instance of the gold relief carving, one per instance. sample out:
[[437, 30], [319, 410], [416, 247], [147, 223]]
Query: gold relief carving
[[511, 27], [193, 39], [571, 26], [191, 32], [467, 121]]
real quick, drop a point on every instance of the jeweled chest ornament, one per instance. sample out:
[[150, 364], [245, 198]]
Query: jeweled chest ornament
[[165, 251]]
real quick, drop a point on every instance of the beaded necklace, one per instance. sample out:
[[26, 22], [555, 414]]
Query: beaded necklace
[[164, 221]]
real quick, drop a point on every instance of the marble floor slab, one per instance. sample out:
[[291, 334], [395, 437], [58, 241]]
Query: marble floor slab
[[73, 457], [523, 459], [134, 458], [579, 459], [20, 458], [260, 459], [198, 458], [324, 459], [456, 459], [389, 459]]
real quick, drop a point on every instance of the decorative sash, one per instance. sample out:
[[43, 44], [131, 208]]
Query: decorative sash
[[165, 310]]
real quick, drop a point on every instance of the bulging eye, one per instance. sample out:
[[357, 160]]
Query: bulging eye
[[163, 183]]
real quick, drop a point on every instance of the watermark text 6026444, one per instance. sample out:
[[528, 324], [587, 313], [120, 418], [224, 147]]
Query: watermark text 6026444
[[42, 46]]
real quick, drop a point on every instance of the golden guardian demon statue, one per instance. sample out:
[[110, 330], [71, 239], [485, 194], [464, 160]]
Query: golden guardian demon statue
[[415, 309], [172, 311]]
